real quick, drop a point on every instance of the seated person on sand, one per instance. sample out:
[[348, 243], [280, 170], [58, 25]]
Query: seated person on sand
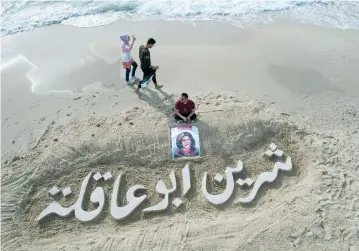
[[185, 109], [186, 145]]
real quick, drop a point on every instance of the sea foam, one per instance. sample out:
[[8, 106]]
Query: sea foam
[[27, 15]]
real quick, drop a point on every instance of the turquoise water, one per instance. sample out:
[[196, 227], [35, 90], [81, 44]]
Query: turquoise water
[[19, 16]]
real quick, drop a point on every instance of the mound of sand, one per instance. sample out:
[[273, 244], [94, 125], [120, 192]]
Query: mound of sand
[[313, 207]]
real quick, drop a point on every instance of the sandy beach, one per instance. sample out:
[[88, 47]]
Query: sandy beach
[[67, 111]]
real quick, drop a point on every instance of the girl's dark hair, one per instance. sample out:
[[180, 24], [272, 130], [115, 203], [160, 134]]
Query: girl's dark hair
[[181, 136], [151, 41]]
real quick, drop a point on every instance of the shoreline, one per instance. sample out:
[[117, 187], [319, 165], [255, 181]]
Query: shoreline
[[263, 64], [266, 16], [294, 85]]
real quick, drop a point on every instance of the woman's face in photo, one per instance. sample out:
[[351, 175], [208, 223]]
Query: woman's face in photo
[[186, 142]]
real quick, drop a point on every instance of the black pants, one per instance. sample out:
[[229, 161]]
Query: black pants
[[148, 72], [128, 70], [193, 117]]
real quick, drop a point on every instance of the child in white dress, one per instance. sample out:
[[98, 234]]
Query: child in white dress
[[127, 60]]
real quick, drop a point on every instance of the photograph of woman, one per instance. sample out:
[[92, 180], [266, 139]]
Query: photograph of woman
[[185, 145]]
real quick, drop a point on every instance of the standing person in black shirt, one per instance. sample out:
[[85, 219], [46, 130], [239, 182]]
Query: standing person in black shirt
[[146, 66]]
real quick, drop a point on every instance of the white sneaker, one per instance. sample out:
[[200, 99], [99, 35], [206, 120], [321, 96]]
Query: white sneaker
[[134, 78], [131, 81]]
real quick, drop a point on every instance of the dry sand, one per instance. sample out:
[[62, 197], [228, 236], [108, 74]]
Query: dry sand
[[290, 84]]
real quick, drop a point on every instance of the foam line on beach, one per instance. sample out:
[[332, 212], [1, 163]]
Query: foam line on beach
[[17, 60], [19, 17], [22, 59]]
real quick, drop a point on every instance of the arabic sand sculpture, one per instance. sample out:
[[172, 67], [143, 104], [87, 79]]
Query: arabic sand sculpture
[[223, 197], [266, 177], [134, 202], [117, 212], [303, 210], [186, 181], [54, 191], [247, 181], [97, 197], [162, 189]]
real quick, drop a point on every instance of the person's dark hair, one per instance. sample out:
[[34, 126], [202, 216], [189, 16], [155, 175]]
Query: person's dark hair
[[181, 136], [184, 95], [151, 41]]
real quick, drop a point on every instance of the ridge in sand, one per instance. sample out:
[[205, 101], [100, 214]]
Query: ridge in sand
[[290, 211]]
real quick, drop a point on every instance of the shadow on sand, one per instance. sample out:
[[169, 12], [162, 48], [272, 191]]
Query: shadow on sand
[[160, 100]]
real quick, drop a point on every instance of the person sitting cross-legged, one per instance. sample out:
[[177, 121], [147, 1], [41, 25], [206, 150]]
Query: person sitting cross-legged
[[185, 109]]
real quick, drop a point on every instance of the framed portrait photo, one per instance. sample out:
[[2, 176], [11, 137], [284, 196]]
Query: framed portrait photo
[[185, 141]]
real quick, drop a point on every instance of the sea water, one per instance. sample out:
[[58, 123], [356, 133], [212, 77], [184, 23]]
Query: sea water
[[19, 16]]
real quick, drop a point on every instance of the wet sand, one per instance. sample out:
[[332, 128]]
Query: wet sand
[[66, 110]]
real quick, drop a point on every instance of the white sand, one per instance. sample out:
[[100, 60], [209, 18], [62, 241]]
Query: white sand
[[304, 78]]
